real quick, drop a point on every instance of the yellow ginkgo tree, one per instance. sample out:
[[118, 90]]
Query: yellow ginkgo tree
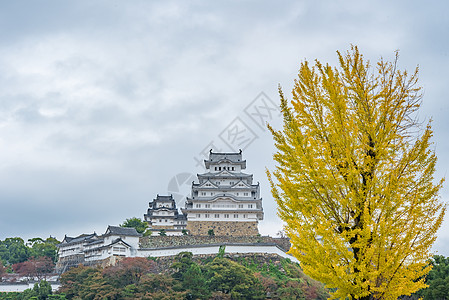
[[354, 178]]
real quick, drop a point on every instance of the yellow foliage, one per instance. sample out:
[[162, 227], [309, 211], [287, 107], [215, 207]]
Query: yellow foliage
[[354, 178]]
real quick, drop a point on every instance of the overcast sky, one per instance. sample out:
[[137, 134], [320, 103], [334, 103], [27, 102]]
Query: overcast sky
[[104, 104]]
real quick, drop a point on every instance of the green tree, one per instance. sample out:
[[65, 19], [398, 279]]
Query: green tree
[[16, 250], [73, 281], [221, 251], [181, 263], [437, 279], [42, 290], [136, 223], [194, 282], [233, 279], [2, 271], [41, 248], [157, 286], [4, 254], [354, 178]]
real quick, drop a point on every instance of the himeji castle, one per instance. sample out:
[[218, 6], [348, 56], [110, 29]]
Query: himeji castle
[[225, 199]]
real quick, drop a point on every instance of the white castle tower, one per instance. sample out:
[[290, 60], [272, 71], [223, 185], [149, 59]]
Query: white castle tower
[[162, 214], [225, 199]]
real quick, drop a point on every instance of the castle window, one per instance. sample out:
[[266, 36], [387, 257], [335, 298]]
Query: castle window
[[232, 168], [245, 194], [219, 168], [198, 215], [206, 215], [231, 183], [250, 206], [207, 205], [217, 216], [244, 216], [215, 168], [236, 216], [240, 205], [198, 205], [226, 215]]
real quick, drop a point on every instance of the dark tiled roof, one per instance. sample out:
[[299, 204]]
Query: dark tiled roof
[[117, 230], [107, 246], [233, 157], [93, 242], [224, 174], [164, 198], [181, 217], [162, 208], [73, 240]]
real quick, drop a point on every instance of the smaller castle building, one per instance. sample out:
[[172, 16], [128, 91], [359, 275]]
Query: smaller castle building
[[115, 242], [162, 215]]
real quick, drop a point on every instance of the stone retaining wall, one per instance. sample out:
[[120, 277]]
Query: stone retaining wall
[[223, 228], [190, 240], [68, 262], [159, 227]]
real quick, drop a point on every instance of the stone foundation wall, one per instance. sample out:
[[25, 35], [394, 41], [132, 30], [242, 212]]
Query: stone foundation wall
[[190, 240], [65, 263], [223, 228], [157, 228]]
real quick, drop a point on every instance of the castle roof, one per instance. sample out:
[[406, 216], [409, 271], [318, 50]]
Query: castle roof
[[181, 217], [73, 240], [117, 240], [226, 174], [162, 198], [117, 230], [232, 157]]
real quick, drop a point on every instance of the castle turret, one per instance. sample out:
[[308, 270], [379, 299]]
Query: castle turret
[[163, 214]]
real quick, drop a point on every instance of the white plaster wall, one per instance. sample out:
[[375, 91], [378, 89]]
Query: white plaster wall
[[21, 287], [65, 251], [133, 241]]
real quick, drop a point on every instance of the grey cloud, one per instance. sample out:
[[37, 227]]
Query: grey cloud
[[102, 103]]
